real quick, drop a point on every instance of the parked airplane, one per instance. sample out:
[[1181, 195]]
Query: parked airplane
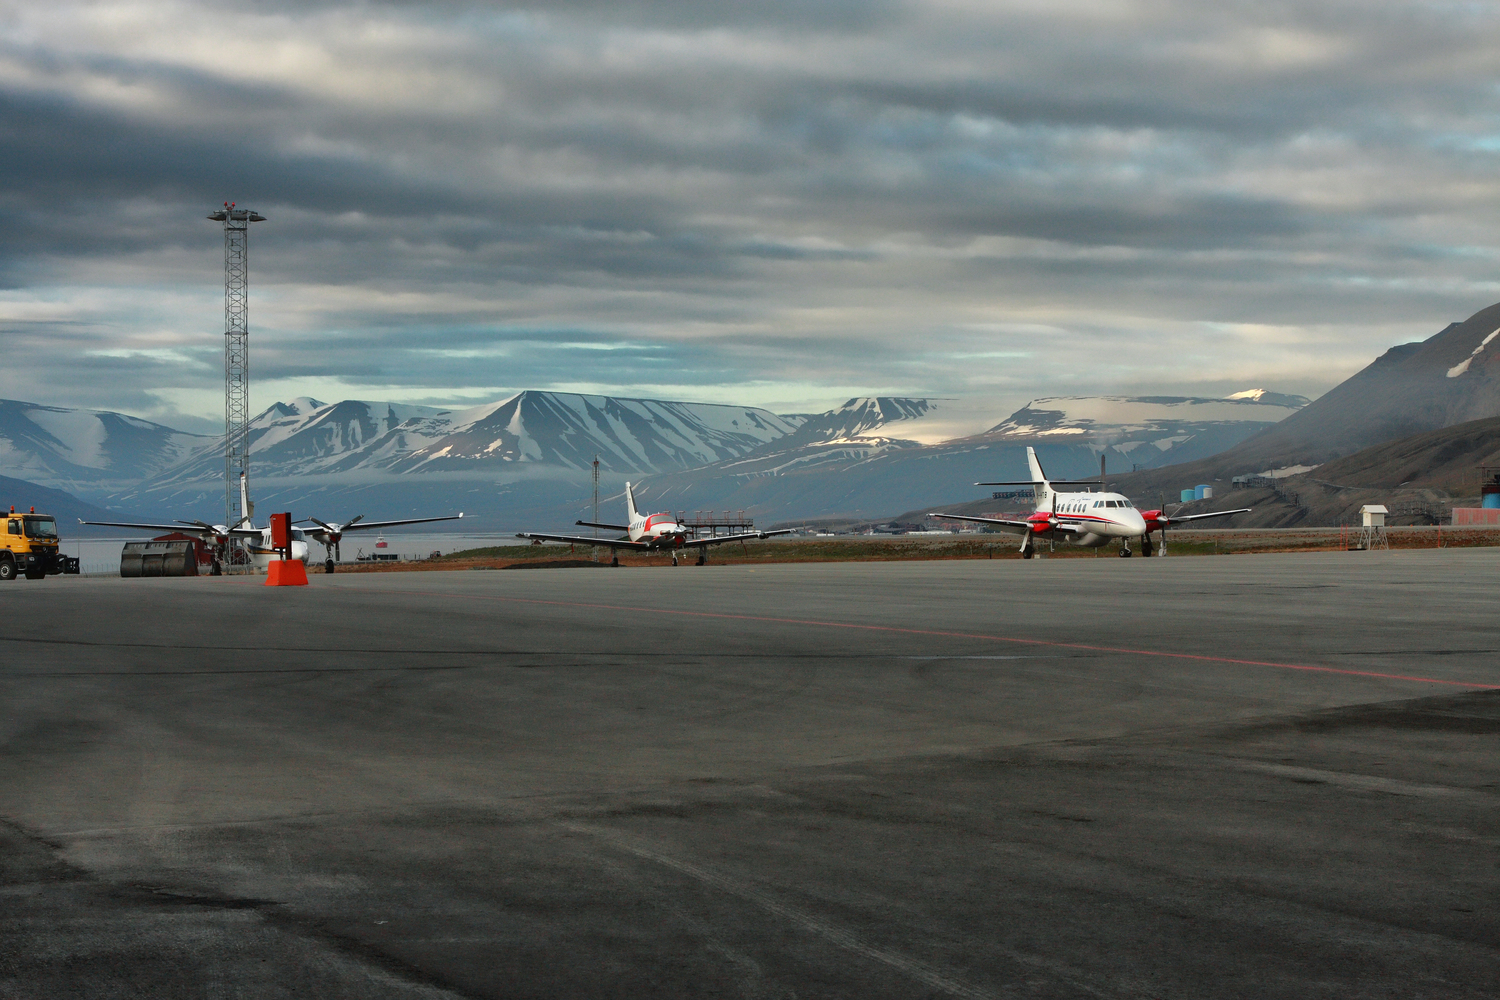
[[1089, 519], [257, 541], [650, 533], [331, 534]]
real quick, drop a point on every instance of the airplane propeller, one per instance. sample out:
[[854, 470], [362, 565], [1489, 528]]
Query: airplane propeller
[[333, 534]]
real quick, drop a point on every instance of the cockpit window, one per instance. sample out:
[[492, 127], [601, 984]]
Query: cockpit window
[[40, 527]]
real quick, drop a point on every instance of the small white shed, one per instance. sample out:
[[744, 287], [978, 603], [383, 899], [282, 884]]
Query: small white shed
[[1373, 515]]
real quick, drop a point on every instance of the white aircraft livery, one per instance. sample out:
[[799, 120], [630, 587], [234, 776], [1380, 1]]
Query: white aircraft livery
[[650, 533], [1090, 519]]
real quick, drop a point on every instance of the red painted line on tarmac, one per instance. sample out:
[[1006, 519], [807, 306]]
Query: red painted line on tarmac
[[1050, 643]]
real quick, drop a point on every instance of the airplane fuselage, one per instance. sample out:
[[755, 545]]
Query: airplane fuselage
[[261, 553], [657, 530], [1102, 517]]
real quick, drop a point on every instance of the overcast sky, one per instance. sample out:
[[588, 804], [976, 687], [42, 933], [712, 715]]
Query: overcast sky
[[780, 202]]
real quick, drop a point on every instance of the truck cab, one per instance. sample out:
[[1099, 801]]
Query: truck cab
[[28, 544]]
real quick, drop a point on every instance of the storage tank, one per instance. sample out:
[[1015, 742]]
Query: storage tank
[[1188, 496], [159, 559], [1491, 495], [1202, 491]]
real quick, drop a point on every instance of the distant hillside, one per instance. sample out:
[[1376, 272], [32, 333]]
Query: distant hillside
[[1450, 378], [1150, 431], [1447, 460], [569, 430], [67, 448], [67, 508]]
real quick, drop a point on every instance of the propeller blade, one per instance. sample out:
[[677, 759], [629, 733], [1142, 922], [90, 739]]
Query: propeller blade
[[353, 519], [323, 524]]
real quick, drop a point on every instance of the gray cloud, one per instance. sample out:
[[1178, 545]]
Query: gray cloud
[[947, 198]]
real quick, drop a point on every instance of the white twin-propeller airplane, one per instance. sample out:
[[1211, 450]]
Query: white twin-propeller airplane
[[257, 541], [650, 533], [1089, 519]]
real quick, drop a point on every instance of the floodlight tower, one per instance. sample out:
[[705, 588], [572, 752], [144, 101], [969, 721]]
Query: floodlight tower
[[236, 352]]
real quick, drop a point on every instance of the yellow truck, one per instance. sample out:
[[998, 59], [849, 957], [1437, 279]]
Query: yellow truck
[[29, 545]]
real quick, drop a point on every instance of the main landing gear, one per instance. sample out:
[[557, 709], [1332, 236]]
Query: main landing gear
[[614, 561], [1146, 546], [674, 559], [702, 559], [328, 567]]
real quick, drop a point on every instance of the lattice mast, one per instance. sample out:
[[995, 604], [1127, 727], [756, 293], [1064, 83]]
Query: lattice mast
[[236, 352]]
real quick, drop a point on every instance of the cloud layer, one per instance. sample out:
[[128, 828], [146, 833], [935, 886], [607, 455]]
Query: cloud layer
[[779, 202]]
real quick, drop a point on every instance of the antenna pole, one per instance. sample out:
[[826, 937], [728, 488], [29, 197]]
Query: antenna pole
[[236, 352], [596, 494]]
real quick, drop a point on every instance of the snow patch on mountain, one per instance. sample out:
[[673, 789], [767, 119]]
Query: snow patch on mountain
[[1463, 365], [569, 430], [65, 448]]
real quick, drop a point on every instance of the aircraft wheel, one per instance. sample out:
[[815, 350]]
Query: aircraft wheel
[[1125, 553], [615, 561], [702, 560], [216, 568], [674, 559], [328, 566], [1026, 554]]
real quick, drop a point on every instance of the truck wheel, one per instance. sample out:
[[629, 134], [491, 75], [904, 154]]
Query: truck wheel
[[7, 570]]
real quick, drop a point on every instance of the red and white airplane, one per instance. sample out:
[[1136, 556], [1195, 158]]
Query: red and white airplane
[[1089, 519], [651, 533]]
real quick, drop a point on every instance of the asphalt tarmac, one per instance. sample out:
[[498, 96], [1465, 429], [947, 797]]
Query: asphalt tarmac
[[1268, 776]]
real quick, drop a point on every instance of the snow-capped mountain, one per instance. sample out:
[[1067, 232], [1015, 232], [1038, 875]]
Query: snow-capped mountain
[[307, 437], [570, 429], [65, 448], [1450, 378], [1150, 430], [560, 430]]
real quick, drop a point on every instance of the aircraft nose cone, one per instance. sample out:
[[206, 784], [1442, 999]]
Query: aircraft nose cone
[[299, 551], [1136, 522]]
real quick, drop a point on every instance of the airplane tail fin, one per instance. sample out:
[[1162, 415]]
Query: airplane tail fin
[[630, 502], [247, 509], [1043, 488]]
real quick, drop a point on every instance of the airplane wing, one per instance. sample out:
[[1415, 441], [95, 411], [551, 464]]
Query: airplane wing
[[1038, 482], [611, 527], [614, 543], [367, 525], [1017, 527], [698, 543], [185, 529], [1173, 519]]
